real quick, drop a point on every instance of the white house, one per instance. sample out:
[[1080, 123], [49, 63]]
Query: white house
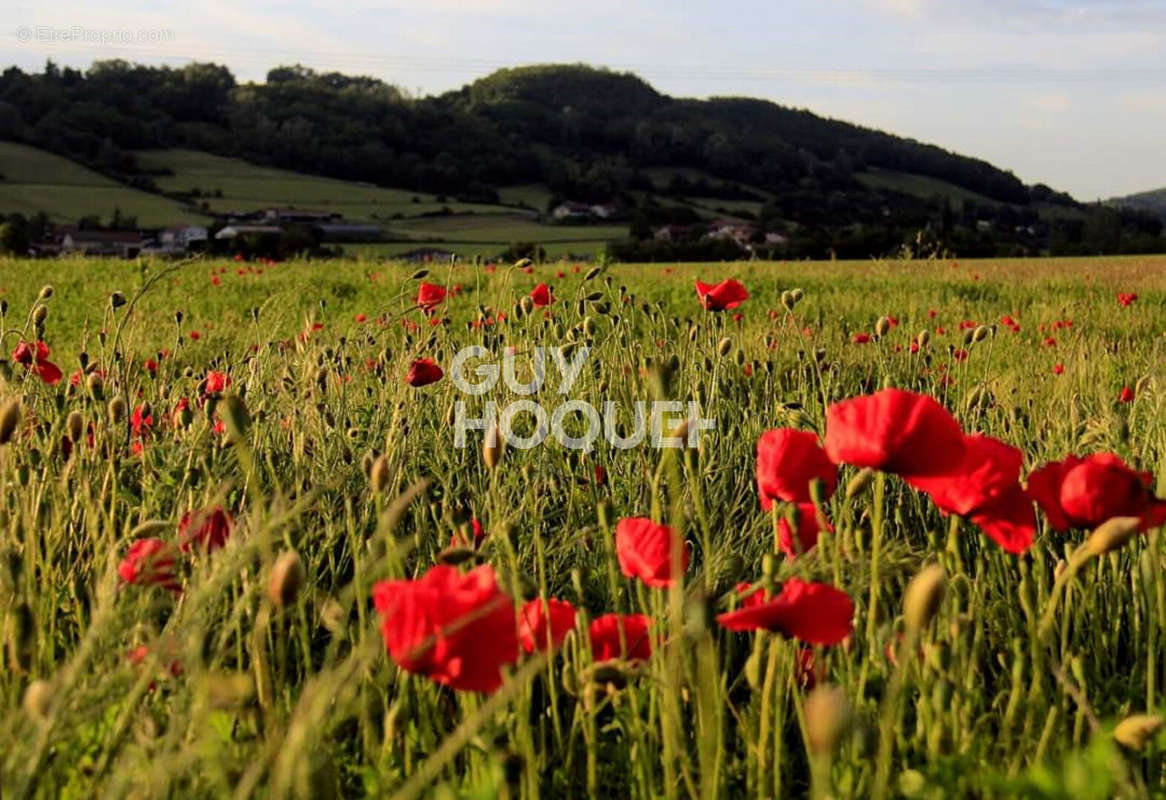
[[179, 238]]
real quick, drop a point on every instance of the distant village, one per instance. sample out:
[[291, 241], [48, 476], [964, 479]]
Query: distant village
[[284, 231], [260, 230]]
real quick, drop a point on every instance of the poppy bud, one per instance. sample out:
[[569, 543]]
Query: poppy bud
[[527, 304], [592, 273], [859, 482], [724, 346], [452, 556], [117, 300], [229, 691], [10, 416], [37, 698], [40, 315], [1135, 731], [1113, 534], [523, 262], [883, 326], [923, 338], [95, 385], [234, 415], [797, 295], [922, 598], [74, 425], [287, 578], [981, 333], [46, 292], [827, 718], [787, 300], [378, 475], [150, 528], [116, 410], [968, 337], [492, 447], [768, 567]]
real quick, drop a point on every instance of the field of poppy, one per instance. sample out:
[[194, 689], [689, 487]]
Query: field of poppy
[[920, 555]]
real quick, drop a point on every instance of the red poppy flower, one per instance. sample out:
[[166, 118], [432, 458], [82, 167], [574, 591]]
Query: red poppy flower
[[37, 358], [140, 421], [150, 562], [541, 295], [860, 338], [812, 612], [894, 431], [625, 636], [458, 630], [429, 296], [360, 317], [216, 383], [1085, 492], [808, 529], [423, 372], [726, 295], [477, 533], [645, 551], [1058, 369], [539, 622], [208, 529], [1126, 395], [787, 461], [1126, 298], [985, 488]]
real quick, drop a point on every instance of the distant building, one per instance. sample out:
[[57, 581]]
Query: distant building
[[726, 229], [231, 231], [606, 211], [571, 212], [181, 238], [124, 244], [299, 215]]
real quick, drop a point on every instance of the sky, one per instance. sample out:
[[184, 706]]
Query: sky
[[1071, 93]]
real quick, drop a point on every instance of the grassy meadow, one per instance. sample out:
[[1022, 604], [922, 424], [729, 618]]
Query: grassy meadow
[[245, 677]]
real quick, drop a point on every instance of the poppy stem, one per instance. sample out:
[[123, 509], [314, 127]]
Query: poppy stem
[[876, 547]]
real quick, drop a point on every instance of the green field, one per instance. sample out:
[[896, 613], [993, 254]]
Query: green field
[[920, 186], [34, 180], [222, 669]]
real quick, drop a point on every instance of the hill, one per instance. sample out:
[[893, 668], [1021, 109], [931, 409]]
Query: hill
[[33, 180], [538, 136], [1151, 202]]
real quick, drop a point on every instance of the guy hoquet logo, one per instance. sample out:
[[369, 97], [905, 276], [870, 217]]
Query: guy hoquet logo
[[656, 423]]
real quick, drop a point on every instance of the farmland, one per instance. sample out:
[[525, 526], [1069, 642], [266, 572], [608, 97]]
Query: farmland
[[214, 542], [34, 180]]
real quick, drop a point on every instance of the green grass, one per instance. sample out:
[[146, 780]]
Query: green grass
[[919, 186], [35, 180], [303, 701]]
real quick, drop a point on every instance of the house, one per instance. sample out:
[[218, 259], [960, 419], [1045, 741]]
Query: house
[[181, 238], [287, 216], [231, 231], [606, 211], [572, 212], [727, 229], [671, 233], [124, 244], [426, 254]]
